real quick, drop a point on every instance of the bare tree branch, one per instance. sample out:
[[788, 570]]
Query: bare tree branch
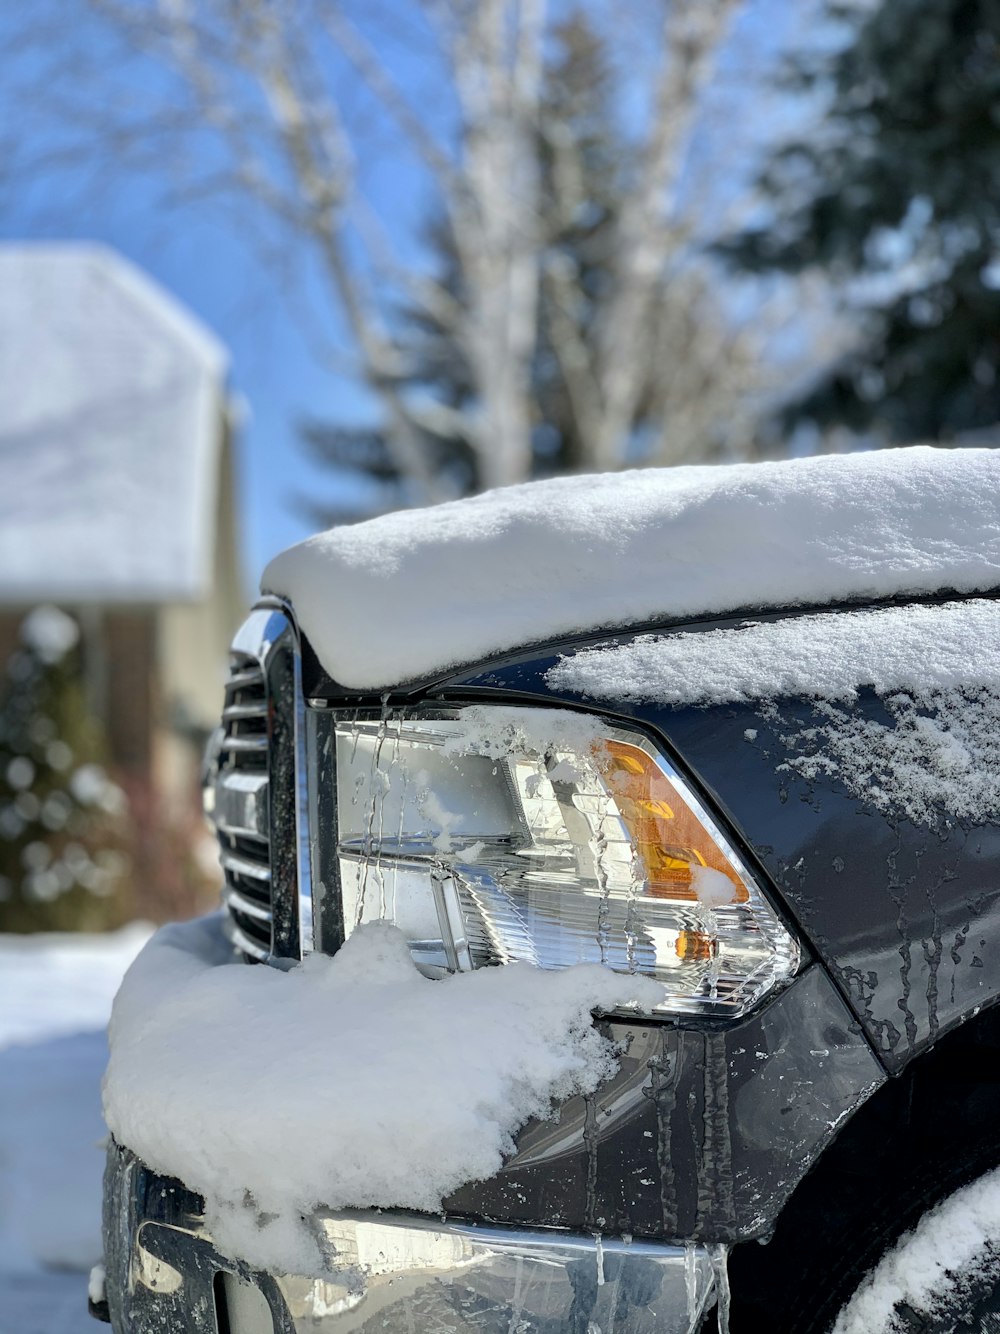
[[249, 103]]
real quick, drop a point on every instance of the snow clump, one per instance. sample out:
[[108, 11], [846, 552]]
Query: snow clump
[[952, 1253], [393, 1089]]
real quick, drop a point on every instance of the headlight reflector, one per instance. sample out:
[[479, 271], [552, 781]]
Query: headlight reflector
[[491, 835]]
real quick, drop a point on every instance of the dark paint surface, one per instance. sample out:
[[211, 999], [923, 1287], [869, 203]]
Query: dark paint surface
[[702, 1133]]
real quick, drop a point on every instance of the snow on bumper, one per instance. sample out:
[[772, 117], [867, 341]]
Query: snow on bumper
[[386, 1271]]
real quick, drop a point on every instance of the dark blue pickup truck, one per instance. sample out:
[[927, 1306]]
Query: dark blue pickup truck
[[785, 811]]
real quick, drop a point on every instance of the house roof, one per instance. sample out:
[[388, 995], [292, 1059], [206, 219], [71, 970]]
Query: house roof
[[111, 401]]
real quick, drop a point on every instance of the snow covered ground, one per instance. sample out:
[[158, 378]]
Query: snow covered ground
[[55, 999]]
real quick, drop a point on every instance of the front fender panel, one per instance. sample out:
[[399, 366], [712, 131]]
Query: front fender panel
[[703, 1134], [905, 916]]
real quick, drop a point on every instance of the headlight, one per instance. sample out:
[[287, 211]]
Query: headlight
[[490, 835]]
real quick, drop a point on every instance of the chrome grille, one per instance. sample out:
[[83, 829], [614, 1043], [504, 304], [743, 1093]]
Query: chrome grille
[[256, 793], [241, 809]]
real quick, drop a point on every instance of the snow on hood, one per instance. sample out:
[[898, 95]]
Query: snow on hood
[[935, 753], [830, 655], [418, 591]]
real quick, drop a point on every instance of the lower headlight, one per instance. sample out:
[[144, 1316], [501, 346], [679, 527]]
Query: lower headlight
[[490, 835]]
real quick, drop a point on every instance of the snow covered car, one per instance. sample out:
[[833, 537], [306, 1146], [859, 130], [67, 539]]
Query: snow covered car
[[620, 858]]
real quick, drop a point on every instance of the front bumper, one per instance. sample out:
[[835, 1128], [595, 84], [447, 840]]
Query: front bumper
[[387, 1272]]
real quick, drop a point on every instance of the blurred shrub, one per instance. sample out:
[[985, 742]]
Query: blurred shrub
[[65, 828]]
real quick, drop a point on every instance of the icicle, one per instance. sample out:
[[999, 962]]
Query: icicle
[[715, 1180], [718, 1254], [590, 1139], [599, 1252], [378, 784], [599, 845], [691, 1285]]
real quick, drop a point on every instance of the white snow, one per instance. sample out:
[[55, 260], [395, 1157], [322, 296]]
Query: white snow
[[54, 985], [55, 998], [50, 632], [498, 731], [110, 429], [97, 1283], [952, 1247], [937, 668], [829, 655], [393, 1089], [418, 591], [937, 758]]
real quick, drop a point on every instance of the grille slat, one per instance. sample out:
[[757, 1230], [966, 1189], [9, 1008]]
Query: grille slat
[[243, 866], [239, 712], [242, 932], [241, 811], [241, 806], [252, 744], [248, 907], [248, 676]]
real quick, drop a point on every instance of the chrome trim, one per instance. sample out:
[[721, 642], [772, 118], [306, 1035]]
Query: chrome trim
[[307, 939], [242, 942], [236, 712], [390, 1272], [231, 861], [233, 898], [259, 806], [238, 679], [240, 803], [245, 743]]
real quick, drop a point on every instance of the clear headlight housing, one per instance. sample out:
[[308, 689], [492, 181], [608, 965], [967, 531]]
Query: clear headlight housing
[[491, 835]]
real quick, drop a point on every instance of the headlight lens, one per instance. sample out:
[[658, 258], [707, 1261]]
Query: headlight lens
[[490, 835]]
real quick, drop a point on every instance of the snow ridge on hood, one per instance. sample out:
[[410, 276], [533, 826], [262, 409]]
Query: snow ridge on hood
[[413, 593]]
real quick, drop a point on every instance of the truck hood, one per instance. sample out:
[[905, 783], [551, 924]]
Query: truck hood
[[416, 592]]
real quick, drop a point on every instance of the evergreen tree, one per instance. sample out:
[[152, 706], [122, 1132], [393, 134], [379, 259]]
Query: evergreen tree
[[64, 829], [897, 199]]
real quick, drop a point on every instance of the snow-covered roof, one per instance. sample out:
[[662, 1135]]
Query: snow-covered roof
[[111, 403], [415, 592]]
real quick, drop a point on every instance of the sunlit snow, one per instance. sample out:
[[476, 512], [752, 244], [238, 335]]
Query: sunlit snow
[[953, 1250], [391, 1089], [55, 998], [422, 590]]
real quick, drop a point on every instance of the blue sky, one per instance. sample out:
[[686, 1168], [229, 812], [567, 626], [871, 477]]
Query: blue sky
[[278, 326]]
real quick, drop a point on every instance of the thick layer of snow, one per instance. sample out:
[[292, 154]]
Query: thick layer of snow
[[415, 592], [55, 999], [953, 1249], [110, 430], [830, 655], [392, 1089]]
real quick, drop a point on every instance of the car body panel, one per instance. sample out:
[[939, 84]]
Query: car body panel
[[906, 917], [702, 1134]]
